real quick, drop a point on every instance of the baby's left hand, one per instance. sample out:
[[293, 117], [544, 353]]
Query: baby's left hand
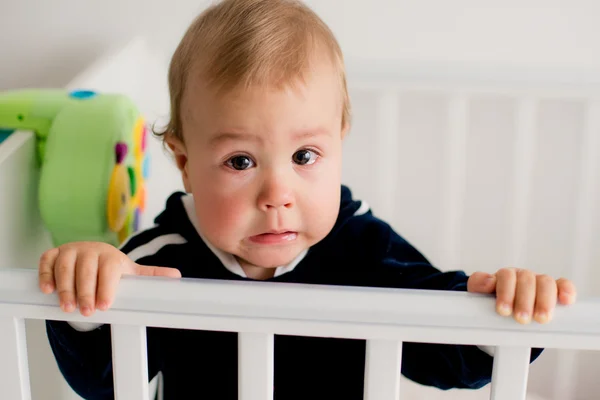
[[523, 293]]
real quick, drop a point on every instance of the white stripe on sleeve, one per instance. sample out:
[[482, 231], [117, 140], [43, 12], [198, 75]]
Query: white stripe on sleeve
[[363, 209], [145, 250], [155, 245]]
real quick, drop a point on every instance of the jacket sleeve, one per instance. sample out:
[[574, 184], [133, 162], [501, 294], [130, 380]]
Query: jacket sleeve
[[83, 351], [85, 358], [400, 265], [443, 366]]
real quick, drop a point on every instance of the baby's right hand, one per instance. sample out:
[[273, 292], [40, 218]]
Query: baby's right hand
[[88, 273]]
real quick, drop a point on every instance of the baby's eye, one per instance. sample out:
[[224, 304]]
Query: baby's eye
[[240, 163], [305, 157]]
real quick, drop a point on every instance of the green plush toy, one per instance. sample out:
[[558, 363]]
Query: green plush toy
[[92, 154]]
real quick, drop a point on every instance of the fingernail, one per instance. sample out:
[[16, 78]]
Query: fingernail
[[542, 317], [102, 306], [523, 317], [85, 310], [46, 288], [68, 306], [504, 310], [566, 297]]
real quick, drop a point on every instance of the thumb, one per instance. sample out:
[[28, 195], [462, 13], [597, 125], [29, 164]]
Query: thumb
[[148, 270], [481, 282]]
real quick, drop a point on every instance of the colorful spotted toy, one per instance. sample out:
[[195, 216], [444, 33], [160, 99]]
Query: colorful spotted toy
[[93, 159]]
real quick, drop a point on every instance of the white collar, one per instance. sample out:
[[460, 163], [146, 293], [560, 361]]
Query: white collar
[[228, 260]]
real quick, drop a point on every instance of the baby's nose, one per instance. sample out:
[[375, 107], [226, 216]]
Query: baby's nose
[[276, 195]]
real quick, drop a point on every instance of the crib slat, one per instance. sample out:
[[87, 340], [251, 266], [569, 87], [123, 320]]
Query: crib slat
[[385, 147], [525, 155], [454, 181], [256, 358], [382, 370], [510, 373], [588, 197], [130, 362], [14, 366]]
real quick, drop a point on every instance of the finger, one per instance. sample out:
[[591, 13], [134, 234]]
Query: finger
[[64, 275], [46, 270], [567, 293], [146, 270], [525, 296], [481, 282], [110, 270], [506, 281], [545, 298], [86, 277]]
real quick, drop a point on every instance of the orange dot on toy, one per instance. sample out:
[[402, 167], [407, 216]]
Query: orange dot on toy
[[142, 198]]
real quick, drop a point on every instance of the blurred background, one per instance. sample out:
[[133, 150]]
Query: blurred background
[[48, 42], [476, 128]]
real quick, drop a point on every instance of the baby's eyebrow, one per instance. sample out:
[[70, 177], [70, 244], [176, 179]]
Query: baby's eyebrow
[[310, 133], [233, 136], [304, 134]]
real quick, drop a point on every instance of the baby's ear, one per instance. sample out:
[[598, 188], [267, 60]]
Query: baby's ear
[[181, 159], [345, 129], [179, 152]]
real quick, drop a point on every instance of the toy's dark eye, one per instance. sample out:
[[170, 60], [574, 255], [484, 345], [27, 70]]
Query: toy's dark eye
[[123, 199], [20, 117]]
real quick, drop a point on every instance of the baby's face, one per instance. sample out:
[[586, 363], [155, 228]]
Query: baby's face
[[264, 166]]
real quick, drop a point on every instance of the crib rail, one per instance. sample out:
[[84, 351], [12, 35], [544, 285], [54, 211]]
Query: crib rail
[[258, 310]]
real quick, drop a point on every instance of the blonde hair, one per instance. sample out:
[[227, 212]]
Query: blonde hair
[[240, 43]]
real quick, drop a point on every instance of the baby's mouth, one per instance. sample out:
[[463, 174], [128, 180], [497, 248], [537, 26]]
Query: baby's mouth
[[274, 237]]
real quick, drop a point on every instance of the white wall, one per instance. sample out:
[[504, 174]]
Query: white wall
[[48, 41]]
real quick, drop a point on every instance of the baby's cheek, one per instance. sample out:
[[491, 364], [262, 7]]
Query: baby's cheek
[[321, 209], [218, 204], [222, 216]]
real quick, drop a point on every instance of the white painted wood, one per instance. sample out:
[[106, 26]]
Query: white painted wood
[[588, 197], [14, 368], [383, 369], [452, 199], [583, 239], [386, 145], [21, 228], [130, 362], [313, 310], [510, 373], [255, 366], [23, 238], [525, 153]]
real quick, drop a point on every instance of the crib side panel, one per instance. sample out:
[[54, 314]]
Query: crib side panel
[[23, 238], [486, 176], [14, 364], [22, 233]]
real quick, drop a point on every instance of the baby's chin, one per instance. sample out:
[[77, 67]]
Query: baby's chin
[[270, 258]]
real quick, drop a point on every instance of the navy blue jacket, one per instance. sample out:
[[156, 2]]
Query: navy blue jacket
[[361, 250]]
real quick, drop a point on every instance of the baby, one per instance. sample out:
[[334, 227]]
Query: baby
[[259, 112]]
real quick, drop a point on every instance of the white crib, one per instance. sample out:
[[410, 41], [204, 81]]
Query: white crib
[[465, 164], [257, 311]]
